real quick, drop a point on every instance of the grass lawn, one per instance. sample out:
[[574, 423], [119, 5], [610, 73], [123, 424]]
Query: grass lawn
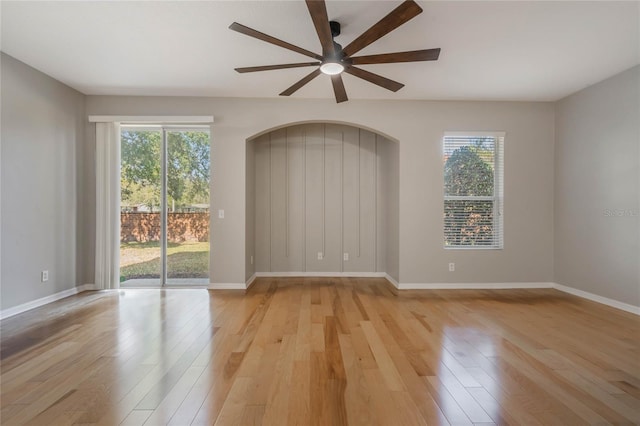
[[184, 260]]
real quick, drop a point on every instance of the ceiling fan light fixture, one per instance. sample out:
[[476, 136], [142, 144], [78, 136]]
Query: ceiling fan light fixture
[[334, 59], [331, 68]]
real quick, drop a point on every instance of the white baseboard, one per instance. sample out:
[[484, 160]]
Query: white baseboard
[[599, 299], [9, 312], [392, 281], [322, 274], [521, 285], [250, 281], [227, 286], [408, 286], [472, 286]]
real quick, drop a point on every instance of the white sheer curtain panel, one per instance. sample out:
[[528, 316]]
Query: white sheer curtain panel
[[107, 205]]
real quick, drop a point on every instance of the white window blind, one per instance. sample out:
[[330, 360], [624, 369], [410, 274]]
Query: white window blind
[[473, 190]]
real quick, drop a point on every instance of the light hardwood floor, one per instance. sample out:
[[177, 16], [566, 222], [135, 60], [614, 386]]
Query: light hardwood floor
[[321, 352]]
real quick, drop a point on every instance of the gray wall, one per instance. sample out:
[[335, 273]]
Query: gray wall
[[43, 127], [48, 183], [317, 191], [597, 189], [418, 127]]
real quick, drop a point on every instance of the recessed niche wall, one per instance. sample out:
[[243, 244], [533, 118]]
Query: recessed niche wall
[[322, 198]]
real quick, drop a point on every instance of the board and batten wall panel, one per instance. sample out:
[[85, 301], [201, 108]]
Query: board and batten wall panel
[[332, 244], [315, 231], [287, 200], [359, 198], [317, 191], [295, 248]]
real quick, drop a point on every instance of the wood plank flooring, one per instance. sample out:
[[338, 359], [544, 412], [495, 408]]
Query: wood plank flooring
[[320, 352]]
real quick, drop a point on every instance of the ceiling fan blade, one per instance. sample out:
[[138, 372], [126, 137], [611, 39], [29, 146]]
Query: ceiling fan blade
[[338, 88], [276, 67], [389, 58], [264, 37], [318, 12], [379, 80], [401, 14], [291, 90]]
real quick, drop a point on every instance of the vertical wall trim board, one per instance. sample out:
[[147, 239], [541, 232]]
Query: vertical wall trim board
[[342, 202], [270, 197], [359, 189], [286, 195], [342, 196], [324, 198], [304, 197], [375, 203]]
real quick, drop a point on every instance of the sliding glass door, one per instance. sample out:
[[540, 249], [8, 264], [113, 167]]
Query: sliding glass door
[[140, 198], [187, 209], [164, 218]]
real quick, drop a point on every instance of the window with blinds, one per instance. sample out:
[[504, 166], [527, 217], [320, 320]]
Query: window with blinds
[[473, 190]]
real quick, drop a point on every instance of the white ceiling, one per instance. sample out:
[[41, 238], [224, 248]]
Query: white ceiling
[[505, 50]]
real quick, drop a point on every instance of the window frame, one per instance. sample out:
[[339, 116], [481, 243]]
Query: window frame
[[498, 188]]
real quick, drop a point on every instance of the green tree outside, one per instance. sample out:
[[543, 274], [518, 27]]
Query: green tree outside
[[188, 168]]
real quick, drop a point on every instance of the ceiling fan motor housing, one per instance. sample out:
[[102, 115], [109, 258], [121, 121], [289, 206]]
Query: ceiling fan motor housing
[[335, 32], [335, 28]]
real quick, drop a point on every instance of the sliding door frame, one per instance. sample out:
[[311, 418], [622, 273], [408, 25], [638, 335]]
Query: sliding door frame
[[164, 226], [164, 157]]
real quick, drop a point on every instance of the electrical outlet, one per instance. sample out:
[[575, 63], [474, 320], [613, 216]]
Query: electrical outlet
[[252, 260], [44, 276], [220, 214], [452, 267], [320, 255], [345, 256]]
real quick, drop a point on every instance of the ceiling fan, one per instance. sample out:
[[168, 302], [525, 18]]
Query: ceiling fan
[[335, 59]]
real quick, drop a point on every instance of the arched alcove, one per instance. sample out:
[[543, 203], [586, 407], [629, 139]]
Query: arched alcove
[[301, 123], [322, 198]]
